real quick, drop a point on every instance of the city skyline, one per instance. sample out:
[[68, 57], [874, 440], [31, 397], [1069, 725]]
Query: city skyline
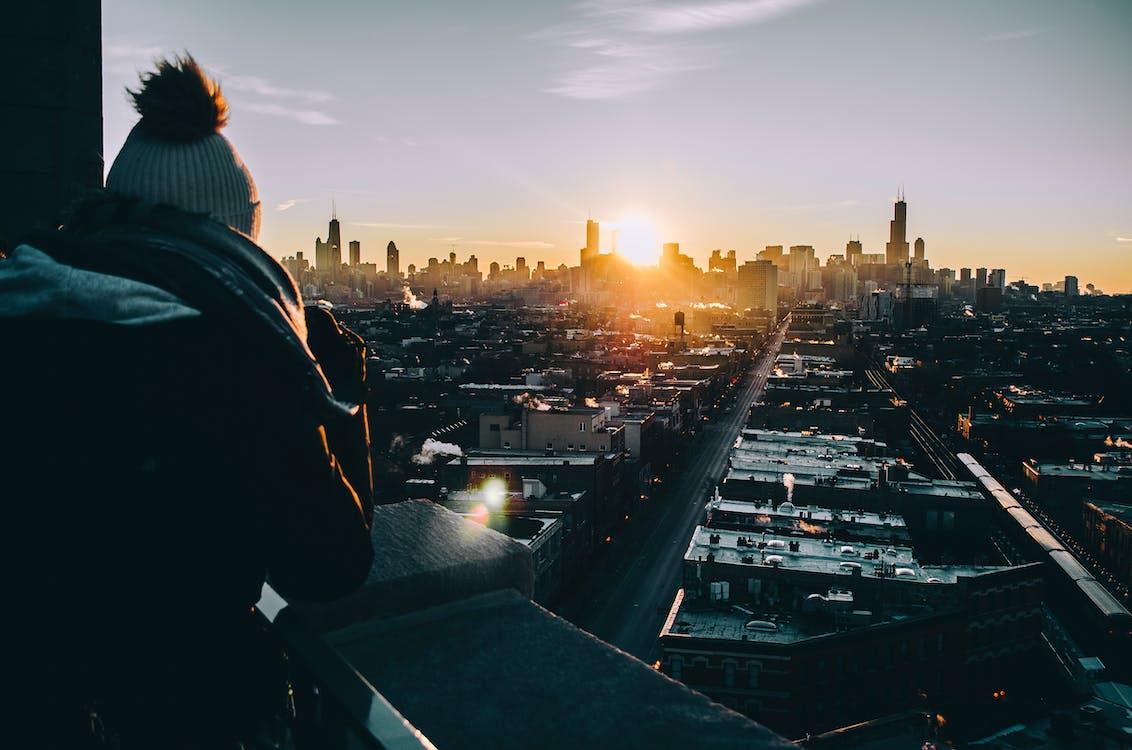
[[430, 127]]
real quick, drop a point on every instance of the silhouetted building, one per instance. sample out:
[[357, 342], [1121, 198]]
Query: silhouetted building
[[896, 251], [1071, 288], [328, 255], [355, 253], [853, 252], [919, 249], [591, 250], [52, 106], [393, 260], [988, 299]]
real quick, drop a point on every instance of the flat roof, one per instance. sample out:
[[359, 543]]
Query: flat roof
[[578, 459], [809, 512], [831, 558], [1109, 472], [728, 622]]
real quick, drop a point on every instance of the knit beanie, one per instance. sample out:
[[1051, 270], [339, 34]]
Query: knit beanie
[[175, 154]]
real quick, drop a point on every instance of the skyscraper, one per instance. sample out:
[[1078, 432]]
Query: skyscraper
[[919, 249], [853, 251], [334, 239], [997, 278], [392, 260], [801, 262], [590, 251], [758, 286], [355, 253], [980, 278], [773, 253], [1071, 287], [896, 251]]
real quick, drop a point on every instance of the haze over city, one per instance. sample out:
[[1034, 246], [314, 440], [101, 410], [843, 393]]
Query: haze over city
[[727, 125]]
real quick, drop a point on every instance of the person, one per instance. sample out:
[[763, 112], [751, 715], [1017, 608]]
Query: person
[[170, 442]]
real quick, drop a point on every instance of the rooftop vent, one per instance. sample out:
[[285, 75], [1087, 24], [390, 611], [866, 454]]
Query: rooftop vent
[[764, 625]]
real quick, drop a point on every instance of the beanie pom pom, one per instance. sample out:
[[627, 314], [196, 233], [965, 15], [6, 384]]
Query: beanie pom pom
[[179, 102]]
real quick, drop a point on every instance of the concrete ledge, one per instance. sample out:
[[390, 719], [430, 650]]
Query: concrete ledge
[[497, 671], [425, 555]]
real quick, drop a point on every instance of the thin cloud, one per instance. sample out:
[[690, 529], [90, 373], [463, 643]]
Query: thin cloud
[[305, 116], [391, 225], [257, 85], [1008, 36], [290, 203], [625, 48], [126, 57], [692, 17], [1123, 239]]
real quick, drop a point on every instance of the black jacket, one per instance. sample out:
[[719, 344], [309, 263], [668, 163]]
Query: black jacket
[[163, 447]]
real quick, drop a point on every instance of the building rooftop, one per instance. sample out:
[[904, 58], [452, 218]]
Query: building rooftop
[[839, 560], [769, 440], [1095, 472], [521, 458], [739, 622], [812, 513], [1122, 511]]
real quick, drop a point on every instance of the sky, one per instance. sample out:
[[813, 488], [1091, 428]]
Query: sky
[[496, 128]]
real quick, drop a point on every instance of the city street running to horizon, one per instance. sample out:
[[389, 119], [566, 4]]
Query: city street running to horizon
[[632, 602]]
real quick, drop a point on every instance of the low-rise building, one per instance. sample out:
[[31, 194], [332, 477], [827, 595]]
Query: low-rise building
[[809, 634]]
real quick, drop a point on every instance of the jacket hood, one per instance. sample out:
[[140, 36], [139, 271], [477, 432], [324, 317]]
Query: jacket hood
[[35, 285], [209, 267]]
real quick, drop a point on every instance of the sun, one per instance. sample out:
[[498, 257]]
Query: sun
[[637, 240]]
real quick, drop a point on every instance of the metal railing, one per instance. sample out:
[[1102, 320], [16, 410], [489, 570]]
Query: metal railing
[[334, 706]]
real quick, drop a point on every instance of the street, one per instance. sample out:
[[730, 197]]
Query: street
[[627, 606]]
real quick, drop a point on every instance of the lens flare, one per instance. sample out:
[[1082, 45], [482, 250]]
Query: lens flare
[[494, 493]]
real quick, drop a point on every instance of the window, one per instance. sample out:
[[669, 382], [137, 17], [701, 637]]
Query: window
[[753, 669], [676, 667], [581, 446], [506, 443], [581, 427], [550, 446], [729, 673], [570, 447], [493, 428]]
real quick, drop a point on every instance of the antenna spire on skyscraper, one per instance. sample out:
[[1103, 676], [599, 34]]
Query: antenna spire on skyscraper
[[333, 209]]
